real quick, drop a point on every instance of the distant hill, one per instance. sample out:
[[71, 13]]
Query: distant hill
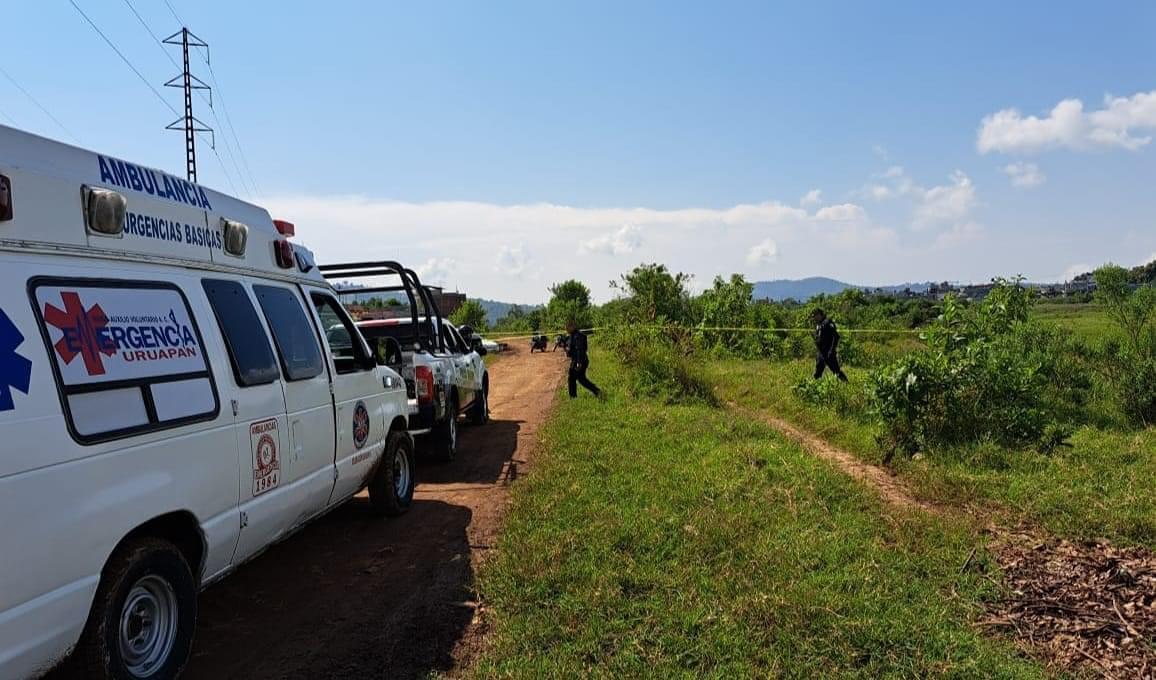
[[798, 289], [496, 310], [805, 289]]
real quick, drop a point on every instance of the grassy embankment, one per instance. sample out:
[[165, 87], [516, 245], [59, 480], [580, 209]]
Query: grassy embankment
[[682, 541]]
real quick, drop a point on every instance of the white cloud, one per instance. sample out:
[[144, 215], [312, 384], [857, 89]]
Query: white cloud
[[513, 252], [945, 204], [964, 232], [811, 198], [841, 213], [763, 253], [1024, 175], [624, 241], [1119, 124], [436, 271], [511, 260], [894, 171]]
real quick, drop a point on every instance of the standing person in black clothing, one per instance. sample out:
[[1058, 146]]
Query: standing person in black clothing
[[576, 349], [826, 343]]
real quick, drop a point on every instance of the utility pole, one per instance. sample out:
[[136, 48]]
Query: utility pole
[[189, 82]]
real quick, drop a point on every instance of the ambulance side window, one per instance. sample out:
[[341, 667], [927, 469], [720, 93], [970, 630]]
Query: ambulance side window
[[350, 354], [292, 332], [245, 338]]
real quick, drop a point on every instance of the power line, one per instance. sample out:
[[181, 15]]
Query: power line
[[232, 130], [174, 12], [138, 73], [207, 100], [123, 58], [40, 106]]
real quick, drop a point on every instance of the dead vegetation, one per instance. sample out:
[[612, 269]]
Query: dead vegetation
[[1082, 607]]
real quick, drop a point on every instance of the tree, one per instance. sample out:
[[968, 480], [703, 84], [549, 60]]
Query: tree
[[571, 291], [1132, 308], [570, 303], [471, 313], [655, 293], [726, 305]]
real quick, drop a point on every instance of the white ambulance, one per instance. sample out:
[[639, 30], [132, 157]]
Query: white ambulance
[[169, 406]]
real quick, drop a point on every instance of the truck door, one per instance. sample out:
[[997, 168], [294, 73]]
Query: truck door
[[258, 407], [308, 402], [469, 380], [358, 396]]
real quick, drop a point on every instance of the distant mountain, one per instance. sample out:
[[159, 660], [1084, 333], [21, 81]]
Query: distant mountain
[[798, 289], [498, 310], [805, 289]]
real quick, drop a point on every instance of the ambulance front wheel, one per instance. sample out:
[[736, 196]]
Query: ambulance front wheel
[[391, 489], [143, 616]]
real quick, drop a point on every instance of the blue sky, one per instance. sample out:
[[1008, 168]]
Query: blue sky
[[501, 146]]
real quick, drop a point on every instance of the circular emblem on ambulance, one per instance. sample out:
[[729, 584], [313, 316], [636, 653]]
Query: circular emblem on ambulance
[[266, 452], [360, 424]]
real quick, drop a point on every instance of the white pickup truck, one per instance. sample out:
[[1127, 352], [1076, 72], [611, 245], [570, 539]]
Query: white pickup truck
[[443, 368]]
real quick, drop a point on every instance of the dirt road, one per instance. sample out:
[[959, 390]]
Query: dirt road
[[353, 596]]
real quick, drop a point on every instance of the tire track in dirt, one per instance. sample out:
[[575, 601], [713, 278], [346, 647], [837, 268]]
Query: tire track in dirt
[[891, 489], [353, 596]]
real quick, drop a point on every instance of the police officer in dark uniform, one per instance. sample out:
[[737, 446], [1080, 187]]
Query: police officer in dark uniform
[[826, 343], [576, 349]]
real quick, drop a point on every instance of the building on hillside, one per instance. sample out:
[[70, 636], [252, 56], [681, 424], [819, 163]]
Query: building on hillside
[[447, 303]]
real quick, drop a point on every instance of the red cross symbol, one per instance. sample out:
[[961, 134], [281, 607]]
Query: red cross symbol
[[82, 332]]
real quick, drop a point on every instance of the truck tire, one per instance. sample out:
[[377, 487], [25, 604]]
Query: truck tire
[[143, 616], [391, 489], [445, 434], [480, 411]]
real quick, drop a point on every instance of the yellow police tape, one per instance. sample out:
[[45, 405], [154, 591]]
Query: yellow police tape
[[742, 329]]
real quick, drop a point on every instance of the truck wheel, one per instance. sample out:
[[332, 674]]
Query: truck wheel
[[391, 489], [480, 411], [143, 617], [445, 435]]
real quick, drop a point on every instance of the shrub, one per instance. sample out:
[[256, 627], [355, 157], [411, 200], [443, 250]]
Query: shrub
[[1131, 365], [843, 398], [660, 363], [988, 373]]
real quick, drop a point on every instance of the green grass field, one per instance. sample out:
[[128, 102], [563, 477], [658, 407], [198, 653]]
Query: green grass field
[[1099, 487], [681, 541], [1088, 321]]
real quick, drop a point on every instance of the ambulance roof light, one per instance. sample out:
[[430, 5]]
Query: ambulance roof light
[[283, 251], [284, 228], [104, 211], [5, 199], [236, 236]]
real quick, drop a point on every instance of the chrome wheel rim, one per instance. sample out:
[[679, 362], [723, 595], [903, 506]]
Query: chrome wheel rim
[[148, 625], [454, 431], [400, 473]]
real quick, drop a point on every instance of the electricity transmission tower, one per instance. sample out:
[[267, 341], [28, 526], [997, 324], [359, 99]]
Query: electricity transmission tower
[[189, 82]]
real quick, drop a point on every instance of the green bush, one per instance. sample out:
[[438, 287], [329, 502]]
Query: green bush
[[988, 374], [661, 364], [842, 398], [1131, 364]]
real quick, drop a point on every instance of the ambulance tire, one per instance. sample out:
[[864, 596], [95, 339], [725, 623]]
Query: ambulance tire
[[147, 590], [391, 489], [444, 439], [480, 411]]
